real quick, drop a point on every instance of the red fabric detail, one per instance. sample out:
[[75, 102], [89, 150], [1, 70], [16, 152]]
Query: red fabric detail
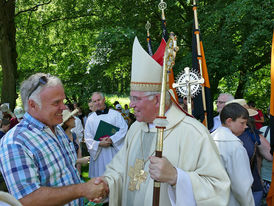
[[159, 57], [159, 54], [103, 137], [258, 117], [160, 127], [161, 117], [14, 121]]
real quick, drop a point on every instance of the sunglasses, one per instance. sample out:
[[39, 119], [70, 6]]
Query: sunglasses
[[42, 81], [219, 102]]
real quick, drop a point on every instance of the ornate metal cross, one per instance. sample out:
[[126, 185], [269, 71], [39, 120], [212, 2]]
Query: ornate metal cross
[[137, 175], [188, 85]]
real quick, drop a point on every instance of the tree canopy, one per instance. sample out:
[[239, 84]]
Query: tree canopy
[[88, 43]]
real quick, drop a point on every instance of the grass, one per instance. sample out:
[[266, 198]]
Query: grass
[[84, 173], [110, 99]]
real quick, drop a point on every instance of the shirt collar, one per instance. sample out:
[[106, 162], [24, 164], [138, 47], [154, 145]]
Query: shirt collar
[[224, 134], [105, 111], [33, 121]]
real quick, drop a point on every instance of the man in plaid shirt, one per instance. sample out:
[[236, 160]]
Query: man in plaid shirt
[[37, 159]]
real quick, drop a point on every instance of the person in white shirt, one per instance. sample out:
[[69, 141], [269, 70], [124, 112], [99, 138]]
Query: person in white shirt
[[102, 151], [220, 102], [233, 154], [78, 129]]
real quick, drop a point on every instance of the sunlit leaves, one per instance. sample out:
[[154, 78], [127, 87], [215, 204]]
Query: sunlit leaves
[[88, 43]]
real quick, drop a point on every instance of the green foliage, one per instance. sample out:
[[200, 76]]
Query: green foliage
[[88, 43], [237, 39], [1, 76]]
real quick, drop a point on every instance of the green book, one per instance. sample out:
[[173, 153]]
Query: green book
[[105, 129]]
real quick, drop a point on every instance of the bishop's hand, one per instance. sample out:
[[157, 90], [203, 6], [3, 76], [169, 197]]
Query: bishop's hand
[[162, 170], [98, 181], [96, 189]]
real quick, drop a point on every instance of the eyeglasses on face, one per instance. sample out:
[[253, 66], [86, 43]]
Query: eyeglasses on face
[[137, 99], [42, 81]]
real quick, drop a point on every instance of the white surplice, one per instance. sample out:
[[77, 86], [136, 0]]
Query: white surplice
[[236, 162], [101, 156]]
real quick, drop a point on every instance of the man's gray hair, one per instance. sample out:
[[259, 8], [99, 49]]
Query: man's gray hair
[[29, 84], [100, 93], [229, 97]]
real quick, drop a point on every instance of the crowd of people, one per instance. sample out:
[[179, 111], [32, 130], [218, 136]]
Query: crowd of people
[[254, 140], [44, 144]]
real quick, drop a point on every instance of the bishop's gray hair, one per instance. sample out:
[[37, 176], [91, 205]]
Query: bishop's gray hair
[[27, 92]]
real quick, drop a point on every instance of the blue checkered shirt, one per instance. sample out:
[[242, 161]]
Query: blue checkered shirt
[[31, 156]]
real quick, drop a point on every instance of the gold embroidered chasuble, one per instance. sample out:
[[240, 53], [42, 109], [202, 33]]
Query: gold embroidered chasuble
[[187, 146]]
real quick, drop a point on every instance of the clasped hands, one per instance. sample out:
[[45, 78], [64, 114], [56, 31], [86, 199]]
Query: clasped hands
[[160, 169], [105, 141], [96, 189]]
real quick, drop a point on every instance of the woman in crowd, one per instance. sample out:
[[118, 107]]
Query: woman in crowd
[[67, 124], [266, 168]]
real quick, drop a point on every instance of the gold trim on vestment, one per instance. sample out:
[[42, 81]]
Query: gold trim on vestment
[[145, 86]]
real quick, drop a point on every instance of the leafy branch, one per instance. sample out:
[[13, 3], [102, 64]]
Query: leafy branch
[[34, 8], [67, 18]]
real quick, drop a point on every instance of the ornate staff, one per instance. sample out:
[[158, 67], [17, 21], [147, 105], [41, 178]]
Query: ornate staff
[[160, 121], [197, 33], [149, 47], [162, 6]]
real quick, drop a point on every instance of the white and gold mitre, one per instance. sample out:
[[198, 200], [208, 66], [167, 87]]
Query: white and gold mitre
[[146, 73]]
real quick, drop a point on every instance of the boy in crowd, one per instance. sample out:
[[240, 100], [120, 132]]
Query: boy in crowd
[[234, 156]]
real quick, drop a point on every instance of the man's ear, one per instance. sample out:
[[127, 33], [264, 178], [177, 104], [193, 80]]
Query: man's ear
[[157, 98], [32, 105]]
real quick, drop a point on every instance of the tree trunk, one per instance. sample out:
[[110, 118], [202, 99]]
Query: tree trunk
[[240, 89], [214, 83], [8, 52]]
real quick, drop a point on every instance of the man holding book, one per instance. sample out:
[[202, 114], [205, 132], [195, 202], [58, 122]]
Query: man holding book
[[104, 134]]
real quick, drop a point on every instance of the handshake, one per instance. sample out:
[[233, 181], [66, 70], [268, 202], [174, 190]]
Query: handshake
[[96, 189]]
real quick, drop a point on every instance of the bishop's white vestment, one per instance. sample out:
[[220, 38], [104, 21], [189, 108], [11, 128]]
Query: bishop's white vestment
[[189, 148]]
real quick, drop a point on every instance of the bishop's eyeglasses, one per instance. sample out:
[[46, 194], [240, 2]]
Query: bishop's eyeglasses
[[137, 99]]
